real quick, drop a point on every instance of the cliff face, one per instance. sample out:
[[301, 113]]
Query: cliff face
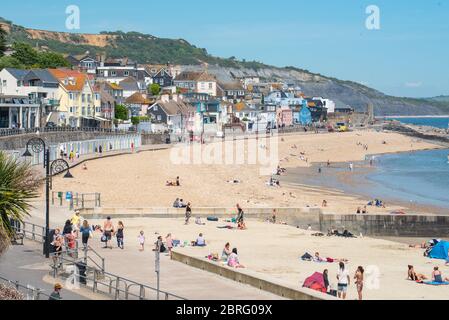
[[149, 49]]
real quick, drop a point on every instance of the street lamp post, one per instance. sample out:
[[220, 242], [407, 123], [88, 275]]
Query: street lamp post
[[37, 145]]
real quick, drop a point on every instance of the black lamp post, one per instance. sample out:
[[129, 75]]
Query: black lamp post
[[37, 145]]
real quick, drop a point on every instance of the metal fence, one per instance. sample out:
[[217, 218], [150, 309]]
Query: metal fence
[[94, 276], [16, 132], [77, 200], [119, 288], [29, 292]]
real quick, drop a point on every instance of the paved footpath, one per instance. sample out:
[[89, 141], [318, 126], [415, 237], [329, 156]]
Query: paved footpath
[[176, 278], [27, 265]]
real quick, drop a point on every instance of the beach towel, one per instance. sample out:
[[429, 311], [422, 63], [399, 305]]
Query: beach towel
[[213, 219], [434, 283]]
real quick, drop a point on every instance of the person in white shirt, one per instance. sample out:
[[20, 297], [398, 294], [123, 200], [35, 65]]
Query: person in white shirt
[[200, 241], [343, 280]]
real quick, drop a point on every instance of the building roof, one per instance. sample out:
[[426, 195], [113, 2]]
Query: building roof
[[138, 98], [19, 74], [195, 76], [129, 84], [231, 85], [173, 107], [44, 75], [79, 78]]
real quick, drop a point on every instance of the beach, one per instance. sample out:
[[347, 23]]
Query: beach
[[273, 252], [139, 180]]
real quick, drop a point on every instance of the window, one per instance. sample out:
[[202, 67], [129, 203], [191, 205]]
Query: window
[[98, 109], [83, 98], [88, 98], [71, 109], [161, 82], [210, 85], [113, 73], [155, 108], [126, 73], [4, 83], [71, 96], [83, 111], [159, 118], [89, 110]]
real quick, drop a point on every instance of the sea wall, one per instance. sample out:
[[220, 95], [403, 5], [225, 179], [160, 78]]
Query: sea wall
[[369, 225], [19, 142], [246, 277], [388, 225]]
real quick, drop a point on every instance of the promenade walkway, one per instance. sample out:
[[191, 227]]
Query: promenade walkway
[[175, 277]]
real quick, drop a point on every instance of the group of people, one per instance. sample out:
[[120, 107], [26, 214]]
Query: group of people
[[231, 257], [363, 210], [436, 277], [176, 183], [179, 204], [344, 281]]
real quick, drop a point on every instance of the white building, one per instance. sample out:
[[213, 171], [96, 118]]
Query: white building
[[327, 103]]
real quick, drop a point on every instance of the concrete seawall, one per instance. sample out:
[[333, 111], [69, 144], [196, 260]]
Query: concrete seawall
[[246, 277], [20, 141], [369, 225]]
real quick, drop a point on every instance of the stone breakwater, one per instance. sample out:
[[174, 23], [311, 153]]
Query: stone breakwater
[[422, 132]]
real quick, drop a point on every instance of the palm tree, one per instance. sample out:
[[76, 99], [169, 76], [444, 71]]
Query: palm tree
[[18, 186]]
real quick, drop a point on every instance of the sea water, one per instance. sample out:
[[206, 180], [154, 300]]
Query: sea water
[[440, 122], [420, 177]]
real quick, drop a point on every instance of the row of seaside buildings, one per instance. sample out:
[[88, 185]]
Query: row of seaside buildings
[[86, 96]]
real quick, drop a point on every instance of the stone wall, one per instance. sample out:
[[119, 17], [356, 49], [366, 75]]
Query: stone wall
[[150, 138], [254, 280], [19, 142], [389, 225], [369, 225]]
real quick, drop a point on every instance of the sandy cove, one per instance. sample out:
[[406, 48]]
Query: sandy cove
[[273, 252], [138, 180]]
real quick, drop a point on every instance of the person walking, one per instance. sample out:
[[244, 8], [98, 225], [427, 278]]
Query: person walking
[[85, 231], [343, 281], [120, 236], [359, 281], [108, 230], [169, 242], [188, 213], [56, 294]]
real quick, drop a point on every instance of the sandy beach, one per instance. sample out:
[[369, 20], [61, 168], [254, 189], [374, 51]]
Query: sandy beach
[[138, 180], [277, 256]]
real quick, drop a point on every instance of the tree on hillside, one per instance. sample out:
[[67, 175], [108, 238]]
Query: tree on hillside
[[25, 54], [51, 60], [121, 112], [10, 62], [2, 41], [155, 89], [18, 186]]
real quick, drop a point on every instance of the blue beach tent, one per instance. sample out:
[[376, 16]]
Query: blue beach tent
[[440, 250]]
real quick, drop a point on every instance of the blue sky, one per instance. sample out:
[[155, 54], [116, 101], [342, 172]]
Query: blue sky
[[408, 56]]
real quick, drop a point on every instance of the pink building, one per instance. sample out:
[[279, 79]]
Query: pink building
[[284, 116]]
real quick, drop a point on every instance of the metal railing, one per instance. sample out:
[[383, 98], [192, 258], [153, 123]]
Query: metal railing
[[29, 292], [78, 200], [15, 132], [119, 288]]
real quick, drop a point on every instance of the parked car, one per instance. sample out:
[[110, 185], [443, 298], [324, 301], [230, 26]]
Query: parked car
[[50, 125]]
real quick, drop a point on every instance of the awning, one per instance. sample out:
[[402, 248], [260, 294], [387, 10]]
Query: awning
[[101, 119]]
